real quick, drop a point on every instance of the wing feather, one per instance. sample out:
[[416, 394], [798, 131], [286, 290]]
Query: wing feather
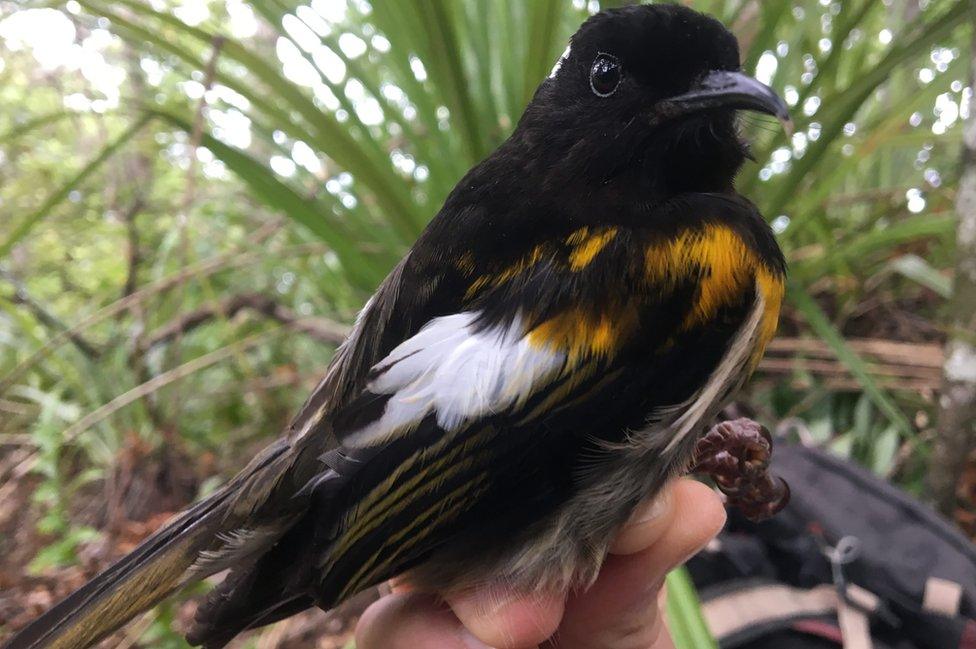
[[465, 390], [446, 414], [457, 371]]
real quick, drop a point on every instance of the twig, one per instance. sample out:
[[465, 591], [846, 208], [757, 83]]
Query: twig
[[16, 407], [210, 266], [899, 366], [320, 328], [916, 354], [832, 368], [132, 238], [894, 195], [49, 320]]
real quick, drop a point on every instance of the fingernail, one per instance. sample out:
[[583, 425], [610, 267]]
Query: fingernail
[[493, 601], [472, 642], [654, 509], [497, 599]]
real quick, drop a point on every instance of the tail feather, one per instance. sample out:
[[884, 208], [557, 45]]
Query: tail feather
[[131, 586], [278, 584]]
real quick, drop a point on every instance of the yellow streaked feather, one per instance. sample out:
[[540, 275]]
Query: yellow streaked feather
[[584, 335], [587, 246], [772, 288], [716, 256], [465, 263], [416, 531], [520, 266], [559, 394], [391, 492]]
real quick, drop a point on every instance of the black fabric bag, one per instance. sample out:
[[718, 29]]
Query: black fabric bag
[[851, 562]]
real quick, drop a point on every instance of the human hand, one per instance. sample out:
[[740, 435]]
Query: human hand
[[622, 610]]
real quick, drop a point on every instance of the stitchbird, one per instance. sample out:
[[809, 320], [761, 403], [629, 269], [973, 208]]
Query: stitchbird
[[544, 358]]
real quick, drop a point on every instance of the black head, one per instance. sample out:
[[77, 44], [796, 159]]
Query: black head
[[653, 90]]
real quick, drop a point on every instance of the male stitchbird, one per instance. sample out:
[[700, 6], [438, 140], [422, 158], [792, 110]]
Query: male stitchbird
[[543, 359]]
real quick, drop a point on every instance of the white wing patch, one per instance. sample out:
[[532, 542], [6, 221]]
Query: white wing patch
[[459, 372]]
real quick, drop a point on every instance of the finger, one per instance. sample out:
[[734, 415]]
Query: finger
[[505, 619], [699, 515], [620, 610], [412, 621], [647, 524], [664, 639]]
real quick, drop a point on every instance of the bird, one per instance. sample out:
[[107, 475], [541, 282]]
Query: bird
[[543, 359]]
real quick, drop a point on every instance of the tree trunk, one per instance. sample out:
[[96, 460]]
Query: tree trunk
[[956, 438]]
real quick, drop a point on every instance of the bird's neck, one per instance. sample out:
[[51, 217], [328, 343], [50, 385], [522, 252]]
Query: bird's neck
[[692, 157]]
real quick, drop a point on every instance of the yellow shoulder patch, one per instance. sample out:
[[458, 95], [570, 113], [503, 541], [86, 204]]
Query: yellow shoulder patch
[[520, 266], [771, 287], [587, 245], [721, 263], [724, 266], [713, 257], [585, 335]]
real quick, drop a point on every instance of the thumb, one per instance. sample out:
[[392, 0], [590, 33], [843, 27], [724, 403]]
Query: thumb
[[620, 610]]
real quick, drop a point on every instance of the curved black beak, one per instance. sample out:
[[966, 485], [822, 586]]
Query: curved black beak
[[721, 88]]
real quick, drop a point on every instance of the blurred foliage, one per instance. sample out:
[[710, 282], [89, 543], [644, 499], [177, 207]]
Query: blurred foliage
[[179, 154]]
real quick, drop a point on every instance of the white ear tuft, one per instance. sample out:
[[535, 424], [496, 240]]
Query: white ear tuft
[[560, 61]]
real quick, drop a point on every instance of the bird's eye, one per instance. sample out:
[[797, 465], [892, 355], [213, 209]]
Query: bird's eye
[[605, 75]]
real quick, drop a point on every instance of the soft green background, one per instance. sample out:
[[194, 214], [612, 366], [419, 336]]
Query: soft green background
[[159, 158]]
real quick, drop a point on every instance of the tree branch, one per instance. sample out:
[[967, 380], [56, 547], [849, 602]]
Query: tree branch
[[49, 320], [321, 329]]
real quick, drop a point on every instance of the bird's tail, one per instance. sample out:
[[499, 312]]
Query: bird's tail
[[134, 584]]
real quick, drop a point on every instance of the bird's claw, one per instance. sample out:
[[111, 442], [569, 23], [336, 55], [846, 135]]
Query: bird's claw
[[736, 455]]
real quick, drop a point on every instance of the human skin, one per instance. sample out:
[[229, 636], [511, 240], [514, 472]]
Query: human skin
[[622, 610]]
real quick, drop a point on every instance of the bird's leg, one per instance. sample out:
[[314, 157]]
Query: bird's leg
[[736, 455]]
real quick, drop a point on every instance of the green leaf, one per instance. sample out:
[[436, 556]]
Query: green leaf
[[880, 240], [544, 45], [685, 621], [771, 13], [63, 551], [841, 107], [822, 326], [883, 451], [364, 270], [17, 132], [291, 108], [31, 220], [439, 50], [842, 445], [918, 270]]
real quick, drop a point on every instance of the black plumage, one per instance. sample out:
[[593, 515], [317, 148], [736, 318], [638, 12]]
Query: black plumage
[[615, 291]]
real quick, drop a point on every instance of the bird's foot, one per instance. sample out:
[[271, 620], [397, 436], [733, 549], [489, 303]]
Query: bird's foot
[[736, 455]]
